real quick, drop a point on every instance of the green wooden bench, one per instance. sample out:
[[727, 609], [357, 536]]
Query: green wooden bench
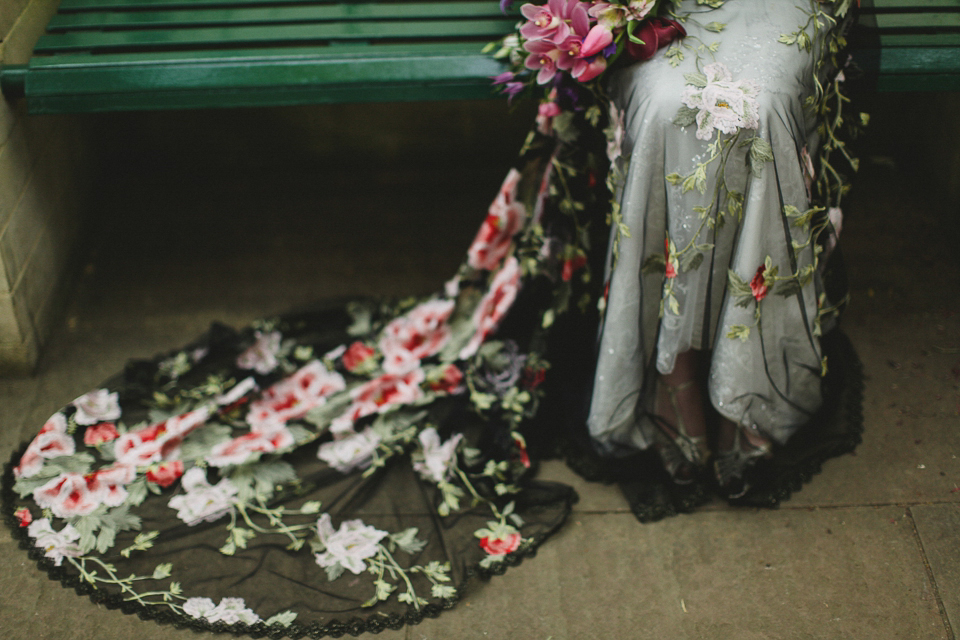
[[909, 45], [107, 55]]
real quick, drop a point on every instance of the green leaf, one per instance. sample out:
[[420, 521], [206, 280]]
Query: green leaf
[[760, 153], [696, 78], [685, 117], [739, 331], [691, 261], [715, 27], [787, 288], [162, 571], [106, 539], [284, 619], [407, 541]]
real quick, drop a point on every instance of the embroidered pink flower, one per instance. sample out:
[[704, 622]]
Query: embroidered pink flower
[[357, 356], [202, 501], [239, 449], [758, 285], [100, 433], [73, 494], [446, 380], [96, 406], [494, 305], [56, 545], [416, 335], [501, 546], [349, 545], [724, 105], [293, 397], [166, 473], [379, 395], [262, 355], [160, 441], [354, 451], [23, 516], [504, 219], [51, 442]]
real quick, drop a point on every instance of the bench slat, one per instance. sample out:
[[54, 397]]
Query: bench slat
[[271, 34], [136, 5], [235, 17]]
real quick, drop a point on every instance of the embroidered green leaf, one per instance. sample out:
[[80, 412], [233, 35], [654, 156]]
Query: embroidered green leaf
[[260, 480], [740, 331], [443, 591], [407, 541], [142, 542], [696, 78], [788, 288], [715, 27], [787, 38], [738, 286], [760, 153], [674, 178], [284, 619], [691, 261], [685, 117], [162, 571]]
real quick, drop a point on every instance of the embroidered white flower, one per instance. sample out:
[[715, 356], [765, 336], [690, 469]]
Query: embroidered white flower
[[724, 104], [262, 355], [348, 546], [436, 457], [352, 452], [202, 501], [229, 611], [55, 544], [96, 406]]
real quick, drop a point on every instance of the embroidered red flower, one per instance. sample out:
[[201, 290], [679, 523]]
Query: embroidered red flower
[[100, 433], [758, 286], [377, 396], [165, 474], [501, 546], [449, 381], [504, 219], [24, 516], [521, 446], [534, 377], [72, 494], [357, 355], [572, 265], [671, 269], [237, 451], [293, 397]]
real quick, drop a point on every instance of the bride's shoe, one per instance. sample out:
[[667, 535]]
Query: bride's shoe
[[731, 466], [683, 455]]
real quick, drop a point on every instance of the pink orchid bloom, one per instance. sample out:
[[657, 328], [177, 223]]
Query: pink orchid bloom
[[591, 69], [542, 59], [596, 41], [545, 22]]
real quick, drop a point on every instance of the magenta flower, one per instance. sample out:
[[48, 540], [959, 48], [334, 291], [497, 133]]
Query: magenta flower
[[596, 41], [545, 22], [542, 59]]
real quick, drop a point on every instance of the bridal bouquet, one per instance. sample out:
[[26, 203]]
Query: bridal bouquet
[[580, 40]]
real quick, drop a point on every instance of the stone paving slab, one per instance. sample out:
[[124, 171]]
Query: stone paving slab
[[911, 441], [818, 573], [937, 526]]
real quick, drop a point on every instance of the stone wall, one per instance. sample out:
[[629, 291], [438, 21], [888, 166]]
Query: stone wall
[[41, 199]]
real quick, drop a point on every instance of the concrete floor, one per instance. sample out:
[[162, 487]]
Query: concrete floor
[[867, 550]]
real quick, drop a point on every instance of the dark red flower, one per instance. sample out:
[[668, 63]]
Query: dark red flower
[[99, 433], [671, 270], [656, 33], [356, 355]]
